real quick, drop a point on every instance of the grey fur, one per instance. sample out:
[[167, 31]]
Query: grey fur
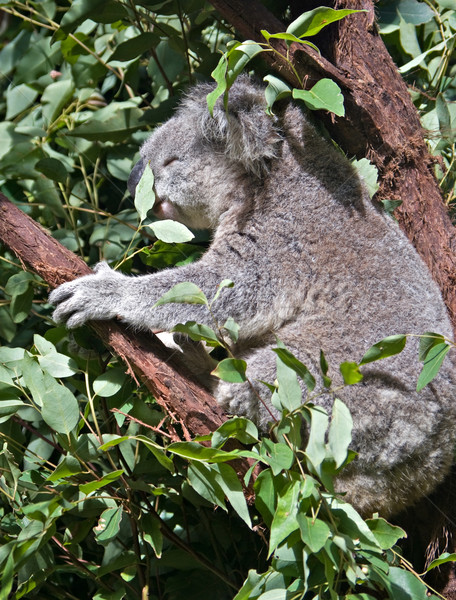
[[314, 263]]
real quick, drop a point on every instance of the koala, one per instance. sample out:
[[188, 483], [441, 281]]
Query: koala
[[314, 263]]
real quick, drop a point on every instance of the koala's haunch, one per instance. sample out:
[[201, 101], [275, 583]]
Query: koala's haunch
[[314, 263]]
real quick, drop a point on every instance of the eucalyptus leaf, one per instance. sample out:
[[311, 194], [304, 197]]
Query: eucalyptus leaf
[[171, 231], [232, 370], [324, 95], [185, 292]]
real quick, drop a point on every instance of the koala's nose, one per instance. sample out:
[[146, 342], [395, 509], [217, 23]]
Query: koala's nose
[[135, 176]]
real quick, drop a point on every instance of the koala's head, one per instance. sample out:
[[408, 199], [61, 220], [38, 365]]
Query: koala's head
[[201, 161]]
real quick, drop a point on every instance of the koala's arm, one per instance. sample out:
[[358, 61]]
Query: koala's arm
[[108, 294]]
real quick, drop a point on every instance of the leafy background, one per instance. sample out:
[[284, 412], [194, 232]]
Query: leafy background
[[98, 497]]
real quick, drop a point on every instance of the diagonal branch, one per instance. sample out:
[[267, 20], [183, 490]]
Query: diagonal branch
[[145, 356]]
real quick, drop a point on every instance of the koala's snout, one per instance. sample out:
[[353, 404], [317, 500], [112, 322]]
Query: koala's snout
[[135, 176]]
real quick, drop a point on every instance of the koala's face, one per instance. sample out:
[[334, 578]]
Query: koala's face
[[190, 175]]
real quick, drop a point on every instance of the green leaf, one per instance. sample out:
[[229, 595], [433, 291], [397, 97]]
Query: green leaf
[[324, 95], [60, 408], [19, 283], [152, 533], [67, 467], [389, 346], [145, 194], [197, 331], [288, 395], [351, 524], [427, 341], [339, 436], [52, 169], [237, 427], [171, 231], [368, 173], [313, 21], [225, 283], [109, 383], [229, 67], [135, 47], [417, 60], [54, 98], [232, 328], [432, 364], [21, 305], [316, 447], [324, 370], [18, 99], [157, 451], [278, 456], [442, 559], [403, 585], [195, 451], [230, 484], [285, 516], [350, 373], [288, 359], [185, 292], [108, 525], [288, 37], [314, 532], [386, 534], [204, 481], [231, 370], [87, 488], [275, 90], [78, 12]]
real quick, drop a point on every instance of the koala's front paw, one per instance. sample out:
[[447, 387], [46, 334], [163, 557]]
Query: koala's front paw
[[89, 298]]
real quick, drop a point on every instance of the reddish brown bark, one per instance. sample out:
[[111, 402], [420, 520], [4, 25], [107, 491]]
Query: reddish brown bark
[[145, 356], [380, 122]]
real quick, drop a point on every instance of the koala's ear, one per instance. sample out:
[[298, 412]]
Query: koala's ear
[[247, 134]]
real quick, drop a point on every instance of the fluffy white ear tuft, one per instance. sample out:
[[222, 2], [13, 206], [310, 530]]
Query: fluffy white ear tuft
[[244, 132]]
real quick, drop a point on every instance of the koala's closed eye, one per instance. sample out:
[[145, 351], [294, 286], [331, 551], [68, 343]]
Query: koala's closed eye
[[169, 161]]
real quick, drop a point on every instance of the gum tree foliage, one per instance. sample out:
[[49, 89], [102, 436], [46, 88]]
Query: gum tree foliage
[[100, 496]]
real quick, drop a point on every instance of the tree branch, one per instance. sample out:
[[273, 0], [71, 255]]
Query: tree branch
[[154, 364]]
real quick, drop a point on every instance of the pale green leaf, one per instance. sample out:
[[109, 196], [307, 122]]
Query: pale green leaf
[[144, 193], [171, 231], [185, 292], [232, 370], [350, 373], [339, 436], [285, 516], [109, 383]]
